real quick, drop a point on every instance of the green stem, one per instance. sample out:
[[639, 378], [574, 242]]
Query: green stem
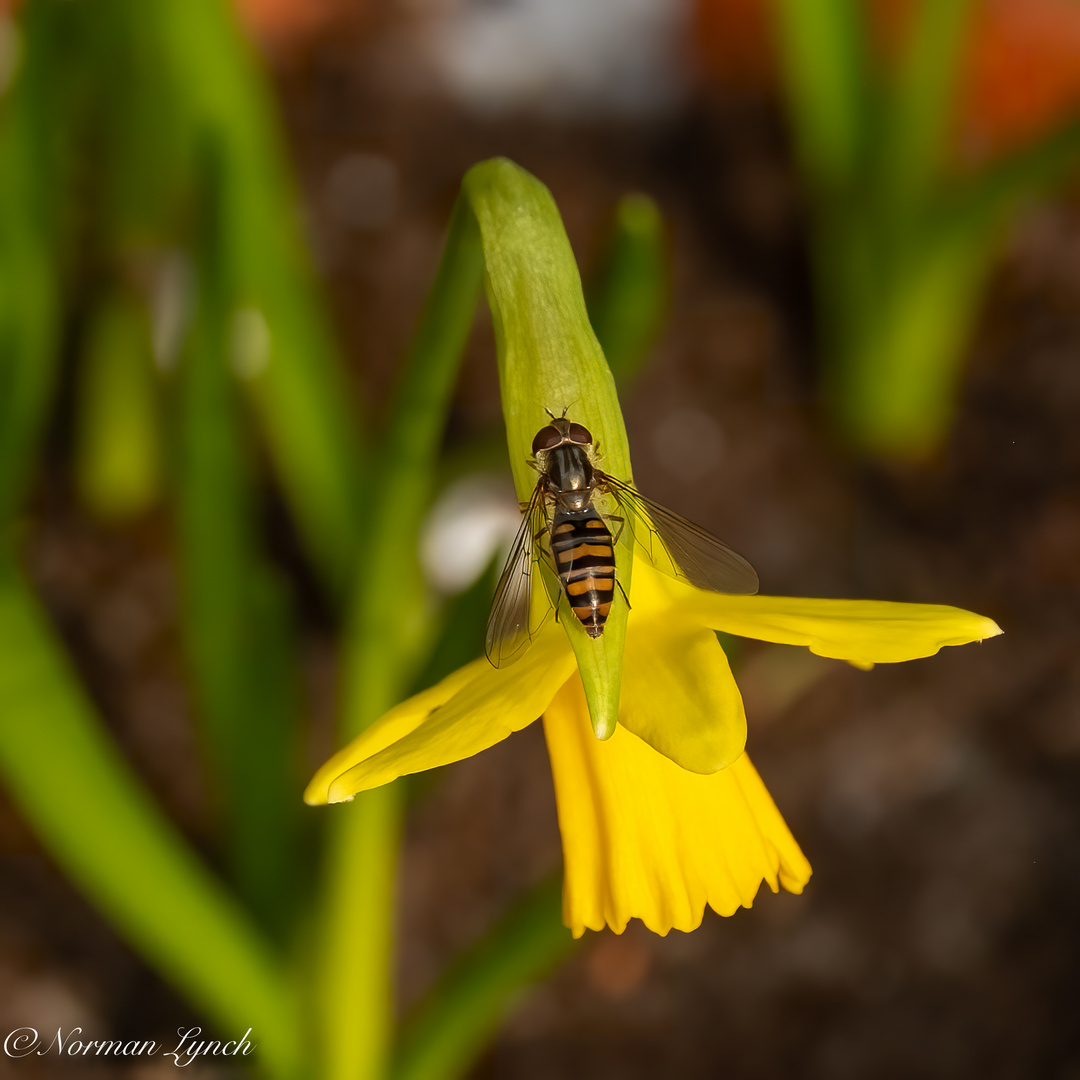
[[388, 579], [109, 837], [460, 1015], [355, 982]]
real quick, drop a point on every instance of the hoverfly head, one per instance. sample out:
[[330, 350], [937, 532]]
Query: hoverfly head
[[558, 432], [548, 437]]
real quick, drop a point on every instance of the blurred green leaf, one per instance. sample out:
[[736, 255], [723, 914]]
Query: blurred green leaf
[[983, 203], [105, 832], [141, 147], [381, 656], [892, 380], [830, 93], [34, 163], [463, 626], [297, 384], [458, 1018], [236, 617], [921, 113], [388, 578], [902, 249], [628, 302], [117, 438]]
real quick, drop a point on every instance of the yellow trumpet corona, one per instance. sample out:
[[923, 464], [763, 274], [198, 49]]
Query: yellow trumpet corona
[[668, 815]]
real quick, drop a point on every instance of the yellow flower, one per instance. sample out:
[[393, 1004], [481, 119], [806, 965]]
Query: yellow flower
[[667, 815]]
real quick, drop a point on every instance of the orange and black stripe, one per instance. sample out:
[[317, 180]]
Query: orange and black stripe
[[585, 560]]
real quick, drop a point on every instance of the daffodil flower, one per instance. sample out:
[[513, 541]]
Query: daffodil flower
[[667, 815], [660, 810]]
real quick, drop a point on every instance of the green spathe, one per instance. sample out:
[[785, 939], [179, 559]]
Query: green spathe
[[549, 358]]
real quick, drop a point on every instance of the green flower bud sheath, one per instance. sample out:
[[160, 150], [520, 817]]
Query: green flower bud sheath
[[550, 359]]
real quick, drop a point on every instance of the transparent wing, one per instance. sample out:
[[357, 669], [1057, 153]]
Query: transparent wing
[[690, 553], [508, 630]]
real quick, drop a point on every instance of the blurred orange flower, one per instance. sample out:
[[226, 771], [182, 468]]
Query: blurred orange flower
[[281, 20], [1020, 72]]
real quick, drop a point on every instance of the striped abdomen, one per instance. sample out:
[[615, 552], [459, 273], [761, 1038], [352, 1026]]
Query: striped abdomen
[[585, 560]]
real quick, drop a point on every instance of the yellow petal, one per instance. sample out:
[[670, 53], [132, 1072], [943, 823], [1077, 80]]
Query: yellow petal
[[864, 632], [645, 839], [470, 710], [679, 694]]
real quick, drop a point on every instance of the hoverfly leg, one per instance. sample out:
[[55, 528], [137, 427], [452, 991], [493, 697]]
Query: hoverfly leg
[[624, 596], [622, 525]]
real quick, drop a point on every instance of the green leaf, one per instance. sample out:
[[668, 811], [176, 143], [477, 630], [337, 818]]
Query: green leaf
[[236, 618], [980, 206], [894, 380], [108, 836], [34, 160], [294, 376], [823, 49], [628, 303], [460, 1015], [388, 585], [381, 659], [461, 636], [117, 443], [921, 110]]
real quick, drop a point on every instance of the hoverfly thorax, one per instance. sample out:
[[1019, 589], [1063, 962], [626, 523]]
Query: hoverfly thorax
[[563, 453], [566, 528]]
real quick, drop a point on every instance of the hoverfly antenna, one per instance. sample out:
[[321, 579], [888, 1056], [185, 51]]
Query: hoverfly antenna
[[566, 410], [551, 414]]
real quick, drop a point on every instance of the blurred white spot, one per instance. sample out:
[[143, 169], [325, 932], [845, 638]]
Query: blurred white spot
[[10, 51], [174, 290], [562, 57], [688, 443], [249, 342], [470, 522], [361, 191]]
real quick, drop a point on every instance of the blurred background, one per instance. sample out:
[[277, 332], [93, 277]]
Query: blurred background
[[769, 395]]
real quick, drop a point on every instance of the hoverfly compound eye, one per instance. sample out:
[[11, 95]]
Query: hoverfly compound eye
[[547, 438], [580, 434]]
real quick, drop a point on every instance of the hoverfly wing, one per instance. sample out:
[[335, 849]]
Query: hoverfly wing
[[694, 555], [508, 629]]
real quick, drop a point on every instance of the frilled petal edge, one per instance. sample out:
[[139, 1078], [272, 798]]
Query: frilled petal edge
[[470, 710], [645, 839]]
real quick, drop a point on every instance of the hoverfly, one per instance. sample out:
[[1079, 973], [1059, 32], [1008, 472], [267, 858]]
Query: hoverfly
[[563, 526]]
